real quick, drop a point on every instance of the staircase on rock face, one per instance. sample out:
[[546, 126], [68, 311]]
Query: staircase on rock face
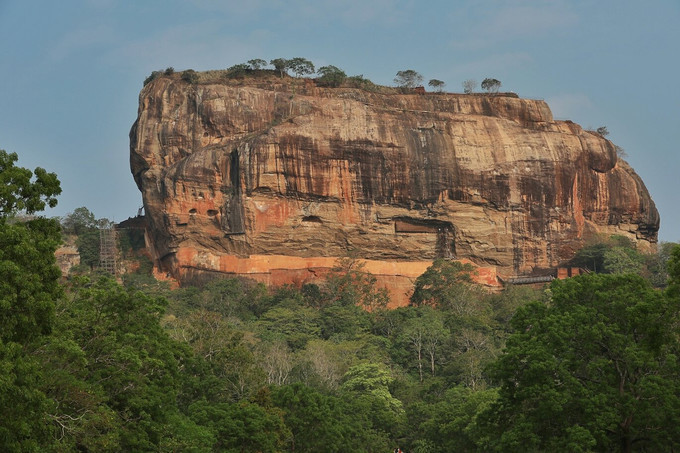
[[107, 249]]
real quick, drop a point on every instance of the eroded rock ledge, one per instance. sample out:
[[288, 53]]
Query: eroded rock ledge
[[275, 178]]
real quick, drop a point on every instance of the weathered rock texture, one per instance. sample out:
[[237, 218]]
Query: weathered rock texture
[[67, 257], [275, 178]]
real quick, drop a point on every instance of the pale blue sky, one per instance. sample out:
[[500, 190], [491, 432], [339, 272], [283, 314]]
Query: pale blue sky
[[72, 70]]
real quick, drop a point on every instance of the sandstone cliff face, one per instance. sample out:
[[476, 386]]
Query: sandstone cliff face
[[67, 257], [258, 175]]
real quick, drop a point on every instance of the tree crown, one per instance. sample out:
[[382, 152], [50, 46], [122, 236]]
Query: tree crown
[[19, 192], [408, 79], [331, 75], [491, 85], [436, 84], [300, 66]]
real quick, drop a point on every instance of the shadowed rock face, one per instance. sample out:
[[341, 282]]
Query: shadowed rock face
[[281, 171]]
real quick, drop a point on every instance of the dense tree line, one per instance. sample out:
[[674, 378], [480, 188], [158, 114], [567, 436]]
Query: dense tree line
[[88, 364], [407, 81]]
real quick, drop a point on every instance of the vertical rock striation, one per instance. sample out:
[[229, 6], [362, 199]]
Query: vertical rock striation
[[276, 178]]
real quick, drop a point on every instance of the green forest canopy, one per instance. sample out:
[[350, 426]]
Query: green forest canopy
[[88, 364]]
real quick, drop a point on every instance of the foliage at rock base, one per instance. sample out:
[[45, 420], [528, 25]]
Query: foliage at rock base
[[90, 365]]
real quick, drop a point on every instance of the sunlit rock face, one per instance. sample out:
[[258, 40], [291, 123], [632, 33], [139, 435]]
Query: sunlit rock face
[[277, 178]]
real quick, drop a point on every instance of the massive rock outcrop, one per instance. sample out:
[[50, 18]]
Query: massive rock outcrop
[[276, 178]]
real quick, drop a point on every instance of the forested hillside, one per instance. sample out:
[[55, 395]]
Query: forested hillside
[[88, 364]]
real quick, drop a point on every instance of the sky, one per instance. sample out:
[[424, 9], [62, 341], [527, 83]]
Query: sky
[[72, 70]]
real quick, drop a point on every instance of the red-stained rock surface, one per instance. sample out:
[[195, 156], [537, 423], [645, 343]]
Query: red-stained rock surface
[[277, 178]]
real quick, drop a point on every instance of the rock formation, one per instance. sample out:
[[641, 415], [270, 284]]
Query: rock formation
[[277, 178], [67, 257]]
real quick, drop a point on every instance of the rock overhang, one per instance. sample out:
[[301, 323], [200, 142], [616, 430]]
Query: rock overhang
[[280, 167]]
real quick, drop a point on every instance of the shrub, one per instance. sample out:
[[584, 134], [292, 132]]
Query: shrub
[[359, 81], [190, 76], [331, 76], [469, 86], [602, 130], [238, 70], [153, 76]]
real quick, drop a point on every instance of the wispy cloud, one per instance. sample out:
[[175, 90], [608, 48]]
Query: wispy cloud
[[237, 8], [570, 105], [101, 3], [81, 40], [214, 43], [298, 13], [530, 19], [204, 45], [487, 24], [492, 64], [362, 12]]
